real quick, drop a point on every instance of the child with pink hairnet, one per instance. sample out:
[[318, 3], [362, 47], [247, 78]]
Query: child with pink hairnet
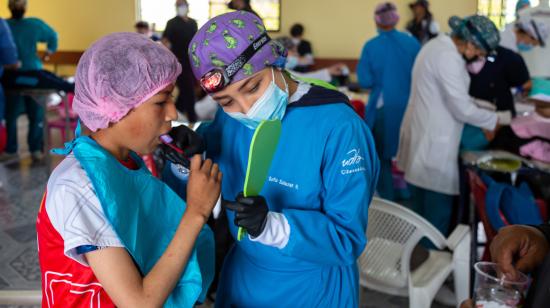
[[110, 234]]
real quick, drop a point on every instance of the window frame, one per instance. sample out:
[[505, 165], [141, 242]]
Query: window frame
[[138, 14]]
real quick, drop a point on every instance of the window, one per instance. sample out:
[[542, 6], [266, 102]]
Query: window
[[158, 12], [270, 10], [501, 12]]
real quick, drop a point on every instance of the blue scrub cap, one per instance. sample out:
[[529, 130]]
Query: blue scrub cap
[[479, 30]]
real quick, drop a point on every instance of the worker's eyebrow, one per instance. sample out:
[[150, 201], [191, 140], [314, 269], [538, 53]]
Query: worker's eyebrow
[[247, 82]]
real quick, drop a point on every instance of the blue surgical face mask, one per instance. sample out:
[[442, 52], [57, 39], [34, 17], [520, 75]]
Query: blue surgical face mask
[[524, 47], [270, 106], [291, 62]]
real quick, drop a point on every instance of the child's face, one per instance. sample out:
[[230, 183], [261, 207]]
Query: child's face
[[140, 130]]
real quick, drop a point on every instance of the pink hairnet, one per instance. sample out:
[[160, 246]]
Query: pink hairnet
[[118, 73]]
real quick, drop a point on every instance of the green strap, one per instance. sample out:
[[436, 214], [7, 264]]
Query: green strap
[[315, 82]]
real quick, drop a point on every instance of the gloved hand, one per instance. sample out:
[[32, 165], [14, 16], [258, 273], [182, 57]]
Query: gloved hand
[[250, 213], [188, 141]]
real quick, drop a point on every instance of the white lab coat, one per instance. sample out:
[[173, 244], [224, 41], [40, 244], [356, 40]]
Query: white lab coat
[[508, 38], [439, 105]]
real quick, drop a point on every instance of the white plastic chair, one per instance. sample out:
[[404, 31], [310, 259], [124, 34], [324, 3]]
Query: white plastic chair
[[393, 232], [24, 298]]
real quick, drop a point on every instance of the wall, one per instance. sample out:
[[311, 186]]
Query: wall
[[324, 21], [336, 31], [81, 22]]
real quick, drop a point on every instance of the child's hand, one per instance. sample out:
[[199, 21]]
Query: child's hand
[[203, 188]]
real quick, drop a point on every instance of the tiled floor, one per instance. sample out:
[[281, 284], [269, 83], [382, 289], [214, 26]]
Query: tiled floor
[[21, 187]]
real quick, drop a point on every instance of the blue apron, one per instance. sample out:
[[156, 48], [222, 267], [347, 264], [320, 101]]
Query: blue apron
[[145, 214]]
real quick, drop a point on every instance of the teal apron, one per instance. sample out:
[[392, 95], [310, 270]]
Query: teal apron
[[145, 214]]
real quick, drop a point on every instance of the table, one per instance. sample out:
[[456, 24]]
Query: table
[[469, 160]]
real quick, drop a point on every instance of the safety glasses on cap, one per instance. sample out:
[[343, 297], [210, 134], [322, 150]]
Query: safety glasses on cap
[[219, 77], [537, 33]]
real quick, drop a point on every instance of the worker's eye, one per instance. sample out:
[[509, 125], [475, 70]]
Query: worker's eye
[[254, 88], [226, 103], [160, 104]]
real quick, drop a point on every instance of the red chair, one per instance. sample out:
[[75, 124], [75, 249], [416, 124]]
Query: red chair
[[398, 176], [478, 190], [543, 208], [59, 123], [359, 107], [3, 138]]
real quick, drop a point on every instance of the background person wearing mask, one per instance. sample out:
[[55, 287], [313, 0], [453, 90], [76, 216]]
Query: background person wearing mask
[[522, 4], [438, 108], [422, 26], [385, 67], [177, 35], [27, 33], [492, 81], [525, 34], [305, 51]]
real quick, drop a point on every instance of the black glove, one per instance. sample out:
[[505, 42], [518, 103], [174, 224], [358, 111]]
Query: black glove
[[187, 140], [250, 213]]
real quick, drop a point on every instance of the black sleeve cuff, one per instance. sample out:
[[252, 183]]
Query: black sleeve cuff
[[545, 229]]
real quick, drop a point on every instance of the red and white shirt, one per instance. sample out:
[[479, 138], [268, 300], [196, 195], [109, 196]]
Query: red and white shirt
[[70, 217]]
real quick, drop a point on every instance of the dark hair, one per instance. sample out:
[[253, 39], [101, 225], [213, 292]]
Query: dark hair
[[142, 24], [297, 30], [247, 6]]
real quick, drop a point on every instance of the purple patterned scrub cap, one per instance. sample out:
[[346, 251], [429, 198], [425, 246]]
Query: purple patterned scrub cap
[[224, 38]]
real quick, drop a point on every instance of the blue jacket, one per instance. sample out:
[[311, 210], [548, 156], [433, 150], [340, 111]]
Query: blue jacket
[[385, 67], [322, 179], [27, 33]]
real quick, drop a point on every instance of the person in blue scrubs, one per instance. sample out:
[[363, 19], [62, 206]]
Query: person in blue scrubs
[[307, 227], [385, 68], [27, 33], [8, 59]]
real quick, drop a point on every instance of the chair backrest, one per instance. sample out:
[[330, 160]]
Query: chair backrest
[[359, 107], [61, 107], [478, 191], [393, 231]]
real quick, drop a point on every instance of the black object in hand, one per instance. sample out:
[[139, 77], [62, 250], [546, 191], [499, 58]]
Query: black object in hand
[[187, 143], [250, 213]]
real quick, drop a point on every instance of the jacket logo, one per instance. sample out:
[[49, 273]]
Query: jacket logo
[[353, 163], [354, 158]]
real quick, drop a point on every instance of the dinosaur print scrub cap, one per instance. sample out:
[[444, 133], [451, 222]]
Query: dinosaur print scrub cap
[[224, 38]]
